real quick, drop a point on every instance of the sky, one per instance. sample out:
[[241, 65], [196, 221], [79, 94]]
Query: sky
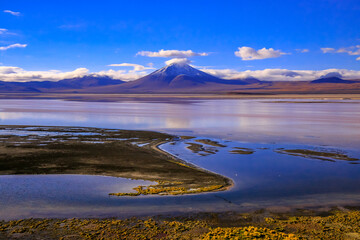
[[271, 40]]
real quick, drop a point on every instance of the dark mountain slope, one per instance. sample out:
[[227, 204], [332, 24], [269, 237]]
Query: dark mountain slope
[[332, 80], [65, 84]]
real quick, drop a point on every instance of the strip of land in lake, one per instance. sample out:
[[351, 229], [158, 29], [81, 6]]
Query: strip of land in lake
[[109, 152]]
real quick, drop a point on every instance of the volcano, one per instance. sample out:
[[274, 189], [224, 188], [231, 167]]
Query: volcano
[[176, 77]]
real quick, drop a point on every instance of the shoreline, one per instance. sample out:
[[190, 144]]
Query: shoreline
[[178, 160], [111, 97]]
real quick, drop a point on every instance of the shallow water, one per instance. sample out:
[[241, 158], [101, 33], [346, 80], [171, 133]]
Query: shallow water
[[262, 179]]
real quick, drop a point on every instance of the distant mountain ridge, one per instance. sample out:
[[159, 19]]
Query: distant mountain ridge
[[182, 78], [70, 83]]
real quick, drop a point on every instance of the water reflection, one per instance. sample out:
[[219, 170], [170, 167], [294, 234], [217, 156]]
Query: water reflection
[[235, 119]]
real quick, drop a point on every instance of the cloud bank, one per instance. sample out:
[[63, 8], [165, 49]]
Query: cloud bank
[[248, 53], [12, 12], [171, 53], [8, 73], [16, 74], [283, 74], [16, 45]]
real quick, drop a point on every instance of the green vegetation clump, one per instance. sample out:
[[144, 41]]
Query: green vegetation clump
[[168, 190]]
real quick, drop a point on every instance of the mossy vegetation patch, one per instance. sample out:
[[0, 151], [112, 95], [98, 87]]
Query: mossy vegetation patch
[[333, 225], [168, 188]]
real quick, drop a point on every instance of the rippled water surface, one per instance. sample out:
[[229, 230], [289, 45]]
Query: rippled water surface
[[264, 178]]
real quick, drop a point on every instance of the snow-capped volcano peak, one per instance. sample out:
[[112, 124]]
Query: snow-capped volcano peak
[[175, 69]]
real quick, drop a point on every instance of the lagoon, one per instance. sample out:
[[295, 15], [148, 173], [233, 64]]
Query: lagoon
[[263, 179]]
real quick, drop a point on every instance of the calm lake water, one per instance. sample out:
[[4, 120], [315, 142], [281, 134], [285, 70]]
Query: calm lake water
[[265, 178]]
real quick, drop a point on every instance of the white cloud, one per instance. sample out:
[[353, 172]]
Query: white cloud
[[248, 53], [305, 50], [283, 74], [136, 67], [122, 74], [171, 53], [352, 50], [327, 50], [12, 12], [178, 60], [16, 45], [3, 31]]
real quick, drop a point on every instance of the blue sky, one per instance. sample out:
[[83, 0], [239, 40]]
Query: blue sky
[[67, 35]]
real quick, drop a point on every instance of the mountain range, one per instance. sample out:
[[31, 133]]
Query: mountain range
[[181, 78], [65, 84]]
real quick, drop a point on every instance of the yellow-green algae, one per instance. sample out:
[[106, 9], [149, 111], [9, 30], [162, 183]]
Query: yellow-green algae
[[338, 225], [165, 188]]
